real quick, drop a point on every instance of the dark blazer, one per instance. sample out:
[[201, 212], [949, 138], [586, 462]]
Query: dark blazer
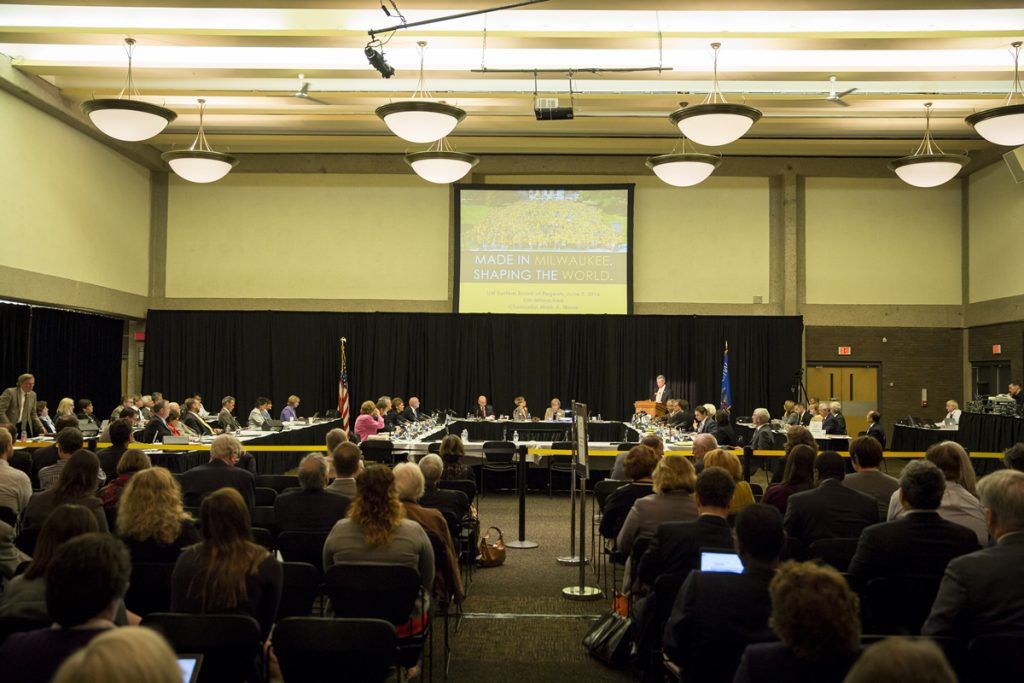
[[455, 502], [193, 422], [834, 424], [875, 430], [675, 548], [42, 457], [683, 419], [773, 662], [488, 411], [155, 428], [90, 417], [309, 510], [830, 510], [981, 593], [762, 439], [709, 426], [916, 544], [35, 656], [726, 436], [805, 419], [665, 395], [109, 457], [412, 416], [393, 418], [216, 474], [227, 420], [715, 616]]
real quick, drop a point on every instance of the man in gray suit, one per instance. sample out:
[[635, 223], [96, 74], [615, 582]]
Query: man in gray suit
[[981, 593], [18, 406], [227, 421]]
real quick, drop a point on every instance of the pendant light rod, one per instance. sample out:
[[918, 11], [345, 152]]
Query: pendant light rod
[[129, 88], [928, 146], [374, 31], [1015, 89], [200, 142], [716, 94]]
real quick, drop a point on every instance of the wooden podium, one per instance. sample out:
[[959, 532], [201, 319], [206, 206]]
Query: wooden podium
[[652, 408]]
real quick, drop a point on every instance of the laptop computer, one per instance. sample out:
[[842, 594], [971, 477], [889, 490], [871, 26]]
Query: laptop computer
[[720, 560]]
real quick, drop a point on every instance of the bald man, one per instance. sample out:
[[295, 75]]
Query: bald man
[[484, 410]]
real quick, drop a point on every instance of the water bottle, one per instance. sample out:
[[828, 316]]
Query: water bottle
[[465, 435], [24, 436], [515, 436]]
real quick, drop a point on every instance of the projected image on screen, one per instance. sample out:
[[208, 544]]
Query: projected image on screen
[[544, 249]]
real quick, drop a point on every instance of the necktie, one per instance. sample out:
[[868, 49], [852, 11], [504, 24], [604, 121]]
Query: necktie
[[483, 411], [174, 431], [207, 427], [21, 408]]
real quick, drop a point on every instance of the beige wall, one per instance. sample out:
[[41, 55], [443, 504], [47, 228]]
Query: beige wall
[[996, 234], [308, 236], [703, 244], [69, 206], [880, 241]]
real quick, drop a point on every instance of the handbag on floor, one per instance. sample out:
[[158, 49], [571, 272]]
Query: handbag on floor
[[610, 640], [492, 554]]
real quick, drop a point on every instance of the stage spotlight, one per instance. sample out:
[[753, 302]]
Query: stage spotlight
[[376, 60]]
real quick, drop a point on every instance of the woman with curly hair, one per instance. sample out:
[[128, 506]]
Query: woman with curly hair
[[817, 619], [151, 520], [227, 573], [132, 460]]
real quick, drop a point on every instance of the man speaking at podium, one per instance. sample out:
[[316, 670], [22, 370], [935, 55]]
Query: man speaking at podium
[[661, 392]]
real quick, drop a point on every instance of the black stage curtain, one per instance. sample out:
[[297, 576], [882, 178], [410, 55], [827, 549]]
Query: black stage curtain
[[14, 331], [76, 355], [449, 359]]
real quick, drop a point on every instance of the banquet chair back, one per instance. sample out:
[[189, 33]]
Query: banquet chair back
[[837, 552], [230, 643], [376, 591], [898, 605], [278, 482], [303, 546], [150, 588], [319, 649], [299, 588]]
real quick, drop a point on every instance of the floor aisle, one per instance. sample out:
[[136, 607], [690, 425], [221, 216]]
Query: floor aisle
[[518, 627]]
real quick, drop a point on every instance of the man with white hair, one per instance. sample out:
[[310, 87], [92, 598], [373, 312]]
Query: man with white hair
[[661, 391], [834, 422], [762, 439], [220, 472], [702, 443], [981, 593], [311, 508], [440, 499]]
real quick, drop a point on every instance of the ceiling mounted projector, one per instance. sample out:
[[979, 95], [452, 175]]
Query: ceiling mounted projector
[[547, 109]]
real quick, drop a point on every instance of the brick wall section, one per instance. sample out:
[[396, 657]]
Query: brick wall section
[[912, 358], [1010, 335]]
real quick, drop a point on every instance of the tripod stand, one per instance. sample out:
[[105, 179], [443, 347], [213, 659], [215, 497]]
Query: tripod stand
[[798, 389]]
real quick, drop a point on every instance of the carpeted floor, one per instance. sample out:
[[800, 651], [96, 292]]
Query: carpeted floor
[[517, 625]]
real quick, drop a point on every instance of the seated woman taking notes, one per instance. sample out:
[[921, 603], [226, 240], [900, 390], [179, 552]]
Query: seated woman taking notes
[[369, 421]]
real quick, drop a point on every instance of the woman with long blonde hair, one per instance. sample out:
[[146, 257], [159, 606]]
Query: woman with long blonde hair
[[151, 520], [227, 573], [65, 407]]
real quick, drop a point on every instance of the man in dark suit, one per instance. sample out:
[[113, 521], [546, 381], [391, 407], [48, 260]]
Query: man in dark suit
[[829, 510], [661, 392], [194, 421], [18, 406], [412, 410], [444, 500], [675, 548], [762, 439], [310, 508], [805, 415], [197, 482], [483, 409], [875, 427], [981, 593], [717, 614], [48, 455], [86, 413], [834, 422], [120, 437], [920, 543], [227, 420], [156, 429], [705, 423]]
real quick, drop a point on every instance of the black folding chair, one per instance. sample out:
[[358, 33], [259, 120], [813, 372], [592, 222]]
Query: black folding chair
[[263, 516], [278, 482], [303, 546], [561, 464], [898, 605], [318, 649], [230, 643], [498, 459], [836, 552], [299, 588], [263, 537], [995, 657], [150, 588], [467, 486], [379, 451], [380, 591], [265, 496], [602, 490]]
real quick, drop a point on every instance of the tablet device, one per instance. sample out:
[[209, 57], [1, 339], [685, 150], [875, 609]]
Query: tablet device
[[189, 665], [720, 560]]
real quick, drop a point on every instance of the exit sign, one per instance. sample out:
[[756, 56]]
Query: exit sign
[[997, 349], [845, 350]]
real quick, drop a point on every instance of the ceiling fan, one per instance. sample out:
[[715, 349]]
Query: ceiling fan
[[303, 92], [837, 97]]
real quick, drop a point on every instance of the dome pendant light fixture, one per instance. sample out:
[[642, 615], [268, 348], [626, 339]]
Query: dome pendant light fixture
[[928, 166], [715, 122], [419, 119], [199, 163], [1004, 125], [123, 118], [441, 163], [683, 169]]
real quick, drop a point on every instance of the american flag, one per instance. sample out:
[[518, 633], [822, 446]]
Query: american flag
[[343, 389]]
